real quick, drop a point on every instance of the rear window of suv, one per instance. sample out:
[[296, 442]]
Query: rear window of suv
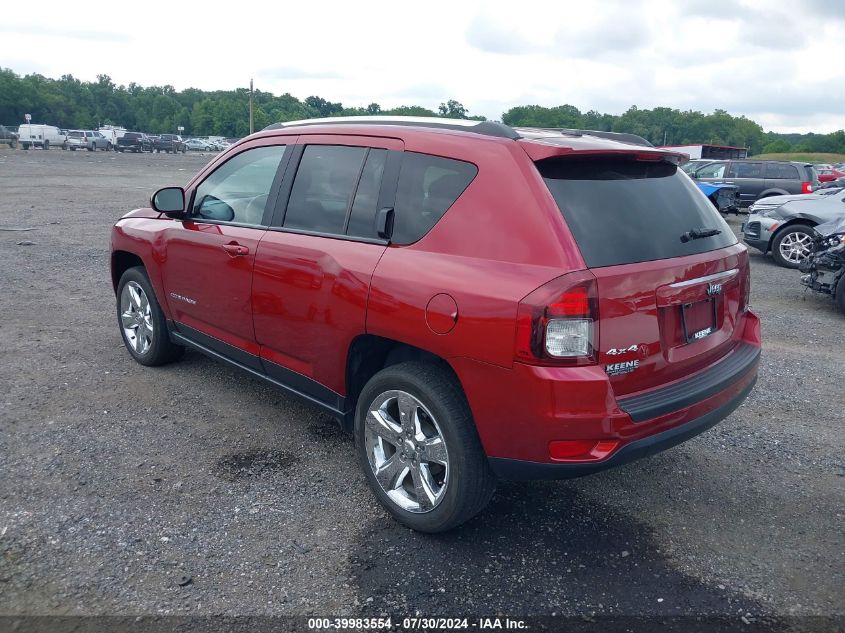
[[626, 211]]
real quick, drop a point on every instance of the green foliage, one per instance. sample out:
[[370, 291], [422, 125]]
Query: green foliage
[[778, 146], [661, 126], [71, 103]]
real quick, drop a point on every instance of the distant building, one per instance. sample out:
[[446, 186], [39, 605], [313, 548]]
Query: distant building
[[710, 151]]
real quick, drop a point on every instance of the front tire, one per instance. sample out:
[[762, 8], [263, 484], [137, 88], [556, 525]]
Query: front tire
[[418, 447], [142, 323], [792, 245]]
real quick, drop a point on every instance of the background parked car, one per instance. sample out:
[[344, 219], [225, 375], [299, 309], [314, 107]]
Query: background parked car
[[8, 137], [724, 196], [197, 145], [694, 164], [760, 178], [787, 230], [169, 143], [827, 175], [88, 139], [134, 142], [111, 135], [40, 135], [832, 184], [825, 266]]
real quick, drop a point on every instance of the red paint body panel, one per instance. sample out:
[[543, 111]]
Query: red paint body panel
[[310, 301], [216, 297]]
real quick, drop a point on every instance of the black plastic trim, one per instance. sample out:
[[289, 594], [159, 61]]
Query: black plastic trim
[[334, 236], [485, 128], [230, 351], [303, 384], [335, 406], [699, 387], [517, 469]]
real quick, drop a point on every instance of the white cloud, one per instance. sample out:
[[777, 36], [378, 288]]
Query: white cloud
[[752, 57]]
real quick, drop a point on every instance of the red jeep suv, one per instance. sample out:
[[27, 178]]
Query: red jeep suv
[[470, 300]]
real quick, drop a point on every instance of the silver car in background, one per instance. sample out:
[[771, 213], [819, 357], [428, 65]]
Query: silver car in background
[[784, 224]]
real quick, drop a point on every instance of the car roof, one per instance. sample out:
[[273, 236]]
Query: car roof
[[554, 140]]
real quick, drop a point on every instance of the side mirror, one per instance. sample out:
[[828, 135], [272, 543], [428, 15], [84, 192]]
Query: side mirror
[[693, 175], [170, 201]]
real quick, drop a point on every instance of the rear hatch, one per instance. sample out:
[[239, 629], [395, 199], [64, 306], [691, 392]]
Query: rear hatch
[[671, 278]]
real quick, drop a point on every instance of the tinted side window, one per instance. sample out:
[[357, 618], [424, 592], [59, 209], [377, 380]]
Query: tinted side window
[[323, 188], [237, 191], [782, 171], [428, 186], [746, 170], [713, 170], [363, 213]]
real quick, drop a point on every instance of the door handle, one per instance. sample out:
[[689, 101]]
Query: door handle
[[236, 250]]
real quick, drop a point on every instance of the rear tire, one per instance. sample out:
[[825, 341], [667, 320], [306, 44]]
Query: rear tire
[[434, 474], [792, 245], [142, 323]]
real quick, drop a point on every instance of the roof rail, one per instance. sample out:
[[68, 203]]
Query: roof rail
[[622, 137], [486, 128]]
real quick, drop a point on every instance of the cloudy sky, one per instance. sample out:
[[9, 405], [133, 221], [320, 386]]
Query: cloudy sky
[[780, 62]]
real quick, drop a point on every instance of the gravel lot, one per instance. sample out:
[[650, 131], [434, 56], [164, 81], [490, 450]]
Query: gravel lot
[[194, 489]]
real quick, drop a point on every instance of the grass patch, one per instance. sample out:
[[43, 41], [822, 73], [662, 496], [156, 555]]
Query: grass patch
[[803, 158]]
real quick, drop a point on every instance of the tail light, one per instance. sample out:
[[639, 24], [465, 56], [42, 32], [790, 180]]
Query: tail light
[[806, 187], [557, 324], [745, 288]]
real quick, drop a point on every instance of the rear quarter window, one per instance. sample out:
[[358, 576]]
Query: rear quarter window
[[626, 211], [428, 186], [782, 171]]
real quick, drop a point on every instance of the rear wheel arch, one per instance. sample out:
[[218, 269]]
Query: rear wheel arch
[[773, 192], [369, 354]]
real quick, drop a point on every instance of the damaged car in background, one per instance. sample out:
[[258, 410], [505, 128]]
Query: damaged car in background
[[787, 229], [723, 195], [825, 265]]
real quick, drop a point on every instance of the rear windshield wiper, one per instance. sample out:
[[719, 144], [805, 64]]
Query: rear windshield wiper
[[694, 234]]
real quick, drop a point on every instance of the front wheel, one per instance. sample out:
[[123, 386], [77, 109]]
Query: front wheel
[[792, 245], [142, 323], [417, 445]]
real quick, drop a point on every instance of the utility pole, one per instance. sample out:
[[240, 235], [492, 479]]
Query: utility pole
[[251, 120]]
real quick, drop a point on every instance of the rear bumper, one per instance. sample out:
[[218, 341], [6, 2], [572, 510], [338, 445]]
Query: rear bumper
[[518, 469], [520, 412]]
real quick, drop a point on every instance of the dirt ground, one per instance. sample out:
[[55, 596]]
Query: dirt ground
[[194, 489]]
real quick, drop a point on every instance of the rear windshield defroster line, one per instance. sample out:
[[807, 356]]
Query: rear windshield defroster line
[[623, 211]]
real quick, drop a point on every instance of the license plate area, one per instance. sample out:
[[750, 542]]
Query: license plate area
[[698, 319]]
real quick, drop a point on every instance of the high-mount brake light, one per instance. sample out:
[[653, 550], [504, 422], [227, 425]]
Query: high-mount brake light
[[557, 324]]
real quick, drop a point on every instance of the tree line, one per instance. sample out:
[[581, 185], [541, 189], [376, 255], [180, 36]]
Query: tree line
[[71, 103]]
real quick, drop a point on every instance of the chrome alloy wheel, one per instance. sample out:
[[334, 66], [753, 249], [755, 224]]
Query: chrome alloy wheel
[[136, 317], [406, 451], [795, 247]]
